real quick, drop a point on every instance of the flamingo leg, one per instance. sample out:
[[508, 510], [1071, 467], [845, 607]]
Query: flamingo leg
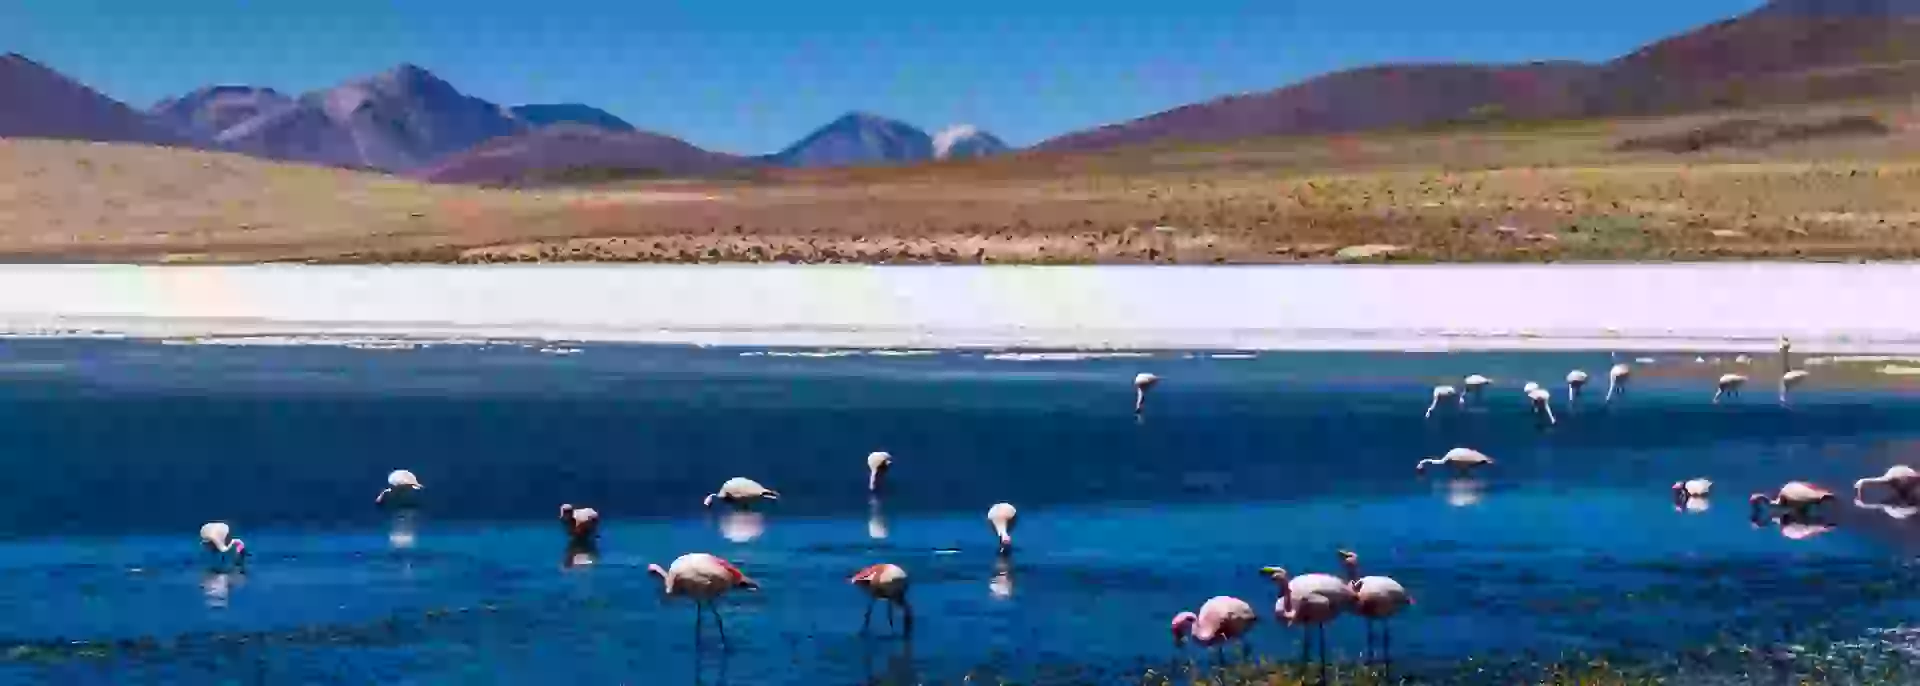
[[890, 610], [906, 615], [699, 622], [717, 622], [1386, 642], [868, 621], [1306, 639]]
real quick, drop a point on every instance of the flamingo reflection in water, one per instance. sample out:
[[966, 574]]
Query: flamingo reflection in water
[[876, 520], [742, 526], [217, 587]]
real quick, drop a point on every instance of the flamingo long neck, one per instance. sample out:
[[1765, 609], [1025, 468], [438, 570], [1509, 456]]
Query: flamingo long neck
[[666, 581], [1434, 462], [231, 544]]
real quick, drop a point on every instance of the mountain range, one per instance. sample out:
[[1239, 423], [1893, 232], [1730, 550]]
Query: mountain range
[[408, 121]]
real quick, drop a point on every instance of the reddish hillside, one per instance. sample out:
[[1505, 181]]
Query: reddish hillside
[[576, 152]]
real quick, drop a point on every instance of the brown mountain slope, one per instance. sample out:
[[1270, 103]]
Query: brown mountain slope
[[1790, 51], [37, 102]]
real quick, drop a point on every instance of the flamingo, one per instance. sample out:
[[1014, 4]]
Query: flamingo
[[1542, 402], [400, 481], [1142, 383], [1377, 598], [1576, 380], [1001, 516], [1729, 386], [1221, 619], [1460, 459], [1617, 378], [1789, 377], [884, 582], [214, 536], [704, 578], [1797, 496], [878, 463], [1691, 495], [1475, 384], [1444, 393], [582, 523], [1313, 599], [741, 492], [1903, 480]]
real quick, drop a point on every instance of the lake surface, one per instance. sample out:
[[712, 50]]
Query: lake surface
[[112, 453]]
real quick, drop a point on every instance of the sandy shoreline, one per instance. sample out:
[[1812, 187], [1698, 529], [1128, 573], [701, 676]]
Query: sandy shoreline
[[1836, 308]]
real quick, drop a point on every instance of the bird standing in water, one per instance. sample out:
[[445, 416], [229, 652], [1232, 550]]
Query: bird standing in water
[[399, 482], [704, 578], [741, 492], [1142, 383], [1221, 619], [1376, 598], [886, 582], [581, 523], [1460, 459], [215, 537], [1002, 517], [1443, 393], [878, 462], [1617, 378]]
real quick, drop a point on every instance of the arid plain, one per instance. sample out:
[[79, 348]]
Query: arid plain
[[1836, 181]]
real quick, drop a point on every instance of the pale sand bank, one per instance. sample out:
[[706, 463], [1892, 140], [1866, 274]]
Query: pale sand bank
[[1836, 308]]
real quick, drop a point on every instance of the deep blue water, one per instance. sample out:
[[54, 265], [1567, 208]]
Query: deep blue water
[[112, 453]]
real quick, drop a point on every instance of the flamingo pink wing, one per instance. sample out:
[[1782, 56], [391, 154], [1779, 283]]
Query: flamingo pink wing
[[732, 570], [868, 574]]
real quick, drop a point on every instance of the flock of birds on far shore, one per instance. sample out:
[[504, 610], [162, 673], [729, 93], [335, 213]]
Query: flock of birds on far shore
[[1308, 600]]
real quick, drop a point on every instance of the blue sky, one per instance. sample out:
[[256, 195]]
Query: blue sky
[[750, 77]]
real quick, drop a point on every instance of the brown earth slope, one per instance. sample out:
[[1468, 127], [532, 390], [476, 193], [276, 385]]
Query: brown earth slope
[[1568, 191]]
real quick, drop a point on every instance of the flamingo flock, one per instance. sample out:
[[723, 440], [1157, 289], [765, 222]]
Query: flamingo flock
[[1308, 601]]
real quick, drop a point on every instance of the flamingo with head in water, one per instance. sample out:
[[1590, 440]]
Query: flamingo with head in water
[[1142, 383], [704, 578], [216, 538], [1904, 481], [886, 582], [1617, 380], [1728, 386], [1441, 393], [1576, 380], [582, 524], [398, 482], [741, 492], [1460, 459], [1798, 497], [1475, 384], [1542, 402], [1002, 517], [878, 462]]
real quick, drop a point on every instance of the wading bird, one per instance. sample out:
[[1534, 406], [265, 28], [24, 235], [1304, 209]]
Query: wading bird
[[1617, 378], [1542, 403], [581, 523], [1475, 384], [1691, 495], [1376, 598], [1901, 479], [399, 483], [214, 536], [1789, 377], [740, 491], [704, 578], [1310, 599], [1798, 497], [1460, 459], [1221, 619], [1002, 516], [884, 582], [1441, 393], [1729, 386], [878, 463], [1576, 380], [1142, 383]]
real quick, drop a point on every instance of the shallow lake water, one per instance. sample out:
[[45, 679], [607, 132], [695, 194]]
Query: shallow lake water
[[113, 453]]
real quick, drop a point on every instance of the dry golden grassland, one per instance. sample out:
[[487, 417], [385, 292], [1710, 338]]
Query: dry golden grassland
[[1514, 193]]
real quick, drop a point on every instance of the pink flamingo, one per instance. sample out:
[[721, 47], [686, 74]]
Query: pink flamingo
[[884, 582], [1377, 598], [1221, 619], [1142, 383], [1798, 497], [1904, 481], [1441, 393], [1312, 599], [1002, 517], [878, 463], [1460, 459], [704, 578], [741, 492], [214, 537], [581, 523]]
